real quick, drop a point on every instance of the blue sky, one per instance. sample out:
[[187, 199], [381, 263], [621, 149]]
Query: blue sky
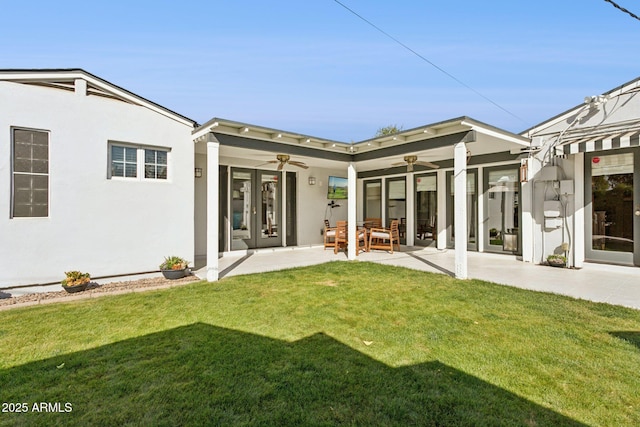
[[313, 67]]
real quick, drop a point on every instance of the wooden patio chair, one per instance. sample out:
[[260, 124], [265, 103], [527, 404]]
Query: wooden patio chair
[[329, 235], [385, 238], [342, 238], [373, 222]]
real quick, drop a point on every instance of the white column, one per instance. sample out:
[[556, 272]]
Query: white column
[[410, 234], [213, 207], [460, 202], [441, 182], [578, 248], [482, 215], [351, 211], [526, 201], [282, 220]]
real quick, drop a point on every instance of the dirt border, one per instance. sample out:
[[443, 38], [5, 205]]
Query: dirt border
[[94, 291]]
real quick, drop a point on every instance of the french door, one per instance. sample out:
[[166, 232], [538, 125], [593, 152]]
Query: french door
[[255, 209], [612, 202], [396, 206], [426, 209]]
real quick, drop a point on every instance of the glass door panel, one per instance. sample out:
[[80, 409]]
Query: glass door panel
[[373, 199], [502, 210], [255, 209], [612, 204], [472, 209], [426, 209], [397, 204], [269, 209], [242, 210]]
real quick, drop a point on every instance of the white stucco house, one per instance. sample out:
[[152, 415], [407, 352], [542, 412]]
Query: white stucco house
[[98, 179], [92, 178]]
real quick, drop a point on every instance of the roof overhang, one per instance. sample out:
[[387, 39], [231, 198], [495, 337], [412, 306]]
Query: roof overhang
[[64, 79], [433, 142]]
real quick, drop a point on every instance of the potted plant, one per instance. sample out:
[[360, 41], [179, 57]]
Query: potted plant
[[75, 281], [174, 267], [557, 260]]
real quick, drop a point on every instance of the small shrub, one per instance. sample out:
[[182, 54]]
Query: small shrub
[[556, 259], [174, 263], [75, 278]]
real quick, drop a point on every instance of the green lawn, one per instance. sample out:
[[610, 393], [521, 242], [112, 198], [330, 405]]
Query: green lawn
[[336, 344]]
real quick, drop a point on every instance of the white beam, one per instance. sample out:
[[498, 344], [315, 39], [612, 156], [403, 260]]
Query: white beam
[[578, 231], [410, 213], [213, 206], [351, 211], [460, 202], [441, 205]]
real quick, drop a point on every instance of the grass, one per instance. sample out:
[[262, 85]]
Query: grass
[[336, 344]]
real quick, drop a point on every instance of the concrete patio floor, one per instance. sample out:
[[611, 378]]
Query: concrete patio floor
[[611, 284]]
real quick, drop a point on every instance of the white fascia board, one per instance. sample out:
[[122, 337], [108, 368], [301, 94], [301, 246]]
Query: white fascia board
[[515, 139], [35, 76]]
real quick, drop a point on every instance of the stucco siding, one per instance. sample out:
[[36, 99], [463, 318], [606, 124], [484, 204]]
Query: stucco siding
[[95, 224]]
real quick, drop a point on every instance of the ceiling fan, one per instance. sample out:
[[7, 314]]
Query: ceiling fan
[[413, 160], [283, 159]]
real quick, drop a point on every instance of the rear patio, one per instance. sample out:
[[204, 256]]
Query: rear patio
[[605, 283]]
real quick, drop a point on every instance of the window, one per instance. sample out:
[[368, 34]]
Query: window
[[155, 164], [30, 173], [124, 161], [128, 161]]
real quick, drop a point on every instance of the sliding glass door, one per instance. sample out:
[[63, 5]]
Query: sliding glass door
[[502, 209], [472, 209], [426, 213], [396, 206], [612, 203]]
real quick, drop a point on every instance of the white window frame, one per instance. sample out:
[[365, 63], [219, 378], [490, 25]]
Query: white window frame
[[14, 173], [140, 162]]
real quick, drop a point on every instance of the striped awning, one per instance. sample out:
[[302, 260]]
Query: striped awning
[[602, 142]]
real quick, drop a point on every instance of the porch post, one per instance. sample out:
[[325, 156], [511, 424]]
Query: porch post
[[351, 210], [460, 202], [409, 232], [213, 206], [441, 206], [578, 231]]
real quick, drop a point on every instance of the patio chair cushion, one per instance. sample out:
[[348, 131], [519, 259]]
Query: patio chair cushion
[[380, 235], [331, 233]]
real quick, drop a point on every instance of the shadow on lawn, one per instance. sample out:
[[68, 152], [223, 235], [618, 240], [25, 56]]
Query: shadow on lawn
[[205, 375], [632, 336]]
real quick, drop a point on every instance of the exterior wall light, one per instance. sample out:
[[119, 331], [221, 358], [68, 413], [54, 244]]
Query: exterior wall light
[[312, 180], [198, 172]]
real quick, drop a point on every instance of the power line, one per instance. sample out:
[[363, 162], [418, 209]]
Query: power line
[[633, 15], [429, 62]]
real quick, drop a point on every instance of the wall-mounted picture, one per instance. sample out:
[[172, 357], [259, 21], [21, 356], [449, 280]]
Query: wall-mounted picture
[[337, 188]]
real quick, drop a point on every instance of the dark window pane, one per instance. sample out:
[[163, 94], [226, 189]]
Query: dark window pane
[[40, 211], [40, 152], [22, 165], [162, 157], [117, 169], [149, 156], [162, 172], [130, 170], [131, 155], [149, 171], [31, 195], [117, 154], [40, 166]]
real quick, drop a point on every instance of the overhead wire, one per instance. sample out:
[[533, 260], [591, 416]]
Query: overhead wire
[[628, 12], [423, 58]]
